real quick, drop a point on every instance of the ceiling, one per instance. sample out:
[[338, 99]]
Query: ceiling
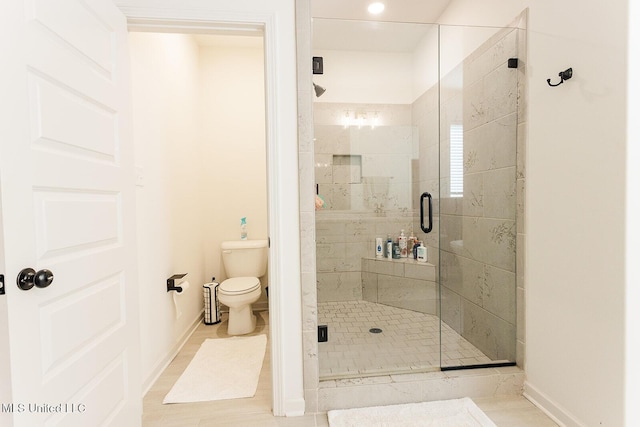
[[349, 26], [352, 27], [424, 11], [332, 34]]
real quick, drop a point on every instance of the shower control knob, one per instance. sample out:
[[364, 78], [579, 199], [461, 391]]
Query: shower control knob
[[28, 278]]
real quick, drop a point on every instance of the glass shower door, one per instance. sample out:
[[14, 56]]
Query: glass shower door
[[477, 199], [403, 110], [376, 151]]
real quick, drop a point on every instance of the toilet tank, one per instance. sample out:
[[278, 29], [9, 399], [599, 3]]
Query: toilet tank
[[245, 258]]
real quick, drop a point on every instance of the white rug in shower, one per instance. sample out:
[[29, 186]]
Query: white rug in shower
[[443, 413], [225, 368]]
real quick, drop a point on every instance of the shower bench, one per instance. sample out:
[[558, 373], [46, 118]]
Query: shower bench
[[403, 283]]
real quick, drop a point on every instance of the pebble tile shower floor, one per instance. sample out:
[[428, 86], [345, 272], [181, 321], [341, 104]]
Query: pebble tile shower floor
[[409, 341]]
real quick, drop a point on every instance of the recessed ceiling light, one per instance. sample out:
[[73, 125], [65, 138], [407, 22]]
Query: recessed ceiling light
[[375, 8]]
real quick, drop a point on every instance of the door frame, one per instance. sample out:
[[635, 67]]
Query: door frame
[[277, 24]]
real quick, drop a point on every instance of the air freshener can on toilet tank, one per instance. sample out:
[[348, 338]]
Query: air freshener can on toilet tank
[[243, 228]]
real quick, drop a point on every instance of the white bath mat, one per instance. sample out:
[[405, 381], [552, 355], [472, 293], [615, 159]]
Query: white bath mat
[[442, 413], [226, 368]]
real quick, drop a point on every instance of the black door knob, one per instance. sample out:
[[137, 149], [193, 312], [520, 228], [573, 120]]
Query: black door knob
[[28, 278], [43, 278]]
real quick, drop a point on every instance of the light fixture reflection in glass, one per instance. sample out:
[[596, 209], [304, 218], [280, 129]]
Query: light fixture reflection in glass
[[346, 120], [375, 8], [374, 121], [361, 119]]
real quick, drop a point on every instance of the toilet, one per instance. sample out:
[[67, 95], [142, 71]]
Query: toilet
[[245, 261]]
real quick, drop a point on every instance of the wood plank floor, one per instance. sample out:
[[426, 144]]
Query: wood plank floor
[[510, 411]]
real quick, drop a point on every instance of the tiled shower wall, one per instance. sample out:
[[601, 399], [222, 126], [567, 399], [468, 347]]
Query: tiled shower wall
[[478, 231], [364, 175], [366, 170], [343, 240]]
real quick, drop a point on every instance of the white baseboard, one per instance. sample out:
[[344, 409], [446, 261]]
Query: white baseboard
[[294, 408], [173, 352], [556, 412]]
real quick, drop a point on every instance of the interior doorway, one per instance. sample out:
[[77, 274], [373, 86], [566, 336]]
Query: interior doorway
[[201, 158], [278, 28]]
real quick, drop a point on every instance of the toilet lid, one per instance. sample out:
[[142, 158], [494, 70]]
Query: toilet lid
[[240, 285]]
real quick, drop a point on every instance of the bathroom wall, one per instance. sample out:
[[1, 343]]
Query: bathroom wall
[[200, 149], [365, 77], [425, 63], [165, 85], [233, 151], [575, 245]]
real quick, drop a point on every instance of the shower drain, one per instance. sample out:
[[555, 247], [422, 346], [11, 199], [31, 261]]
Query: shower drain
[[375, 330]]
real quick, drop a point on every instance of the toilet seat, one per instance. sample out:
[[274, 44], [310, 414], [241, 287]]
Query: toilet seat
[[239, 285]]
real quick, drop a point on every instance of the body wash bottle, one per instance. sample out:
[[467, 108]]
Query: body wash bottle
[[389, 252], [422, 253], [379, 247]]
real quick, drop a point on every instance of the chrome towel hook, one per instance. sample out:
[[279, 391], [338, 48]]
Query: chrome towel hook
[[564, 75]]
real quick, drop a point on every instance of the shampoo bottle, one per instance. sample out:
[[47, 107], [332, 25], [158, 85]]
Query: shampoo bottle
[[243, 228], [389, 252]]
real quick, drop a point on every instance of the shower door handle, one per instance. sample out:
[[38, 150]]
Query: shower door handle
[[430, 227]]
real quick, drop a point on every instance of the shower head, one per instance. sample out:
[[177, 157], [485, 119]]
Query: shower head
[[319, 90]]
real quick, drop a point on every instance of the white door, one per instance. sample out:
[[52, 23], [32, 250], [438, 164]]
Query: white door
[[67, 197]]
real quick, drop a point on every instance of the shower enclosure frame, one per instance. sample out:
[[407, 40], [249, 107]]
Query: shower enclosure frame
[[511, 230]]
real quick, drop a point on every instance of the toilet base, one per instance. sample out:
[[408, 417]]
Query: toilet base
[[241, 320]]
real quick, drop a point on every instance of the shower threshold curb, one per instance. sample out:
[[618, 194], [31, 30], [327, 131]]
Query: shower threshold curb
[[419, 387]]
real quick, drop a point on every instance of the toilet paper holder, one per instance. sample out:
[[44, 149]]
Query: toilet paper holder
[[171, 286]]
